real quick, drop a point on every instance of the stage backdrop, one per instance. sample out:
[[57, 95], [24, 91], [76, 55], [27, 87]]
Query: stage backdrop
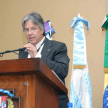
[[60, 13]]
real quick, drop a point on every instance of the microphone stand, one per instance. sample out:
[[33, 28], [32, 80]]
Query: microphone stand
[[9, 51]]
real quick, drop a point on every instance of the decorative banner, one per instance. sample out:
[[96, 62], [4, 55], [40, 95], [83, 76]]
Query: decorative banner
[[105, 28], [10, 103], [3, 101], [79, 47], [49, 30], [6, 91], [105, 96], [47, 27], [81, 93]]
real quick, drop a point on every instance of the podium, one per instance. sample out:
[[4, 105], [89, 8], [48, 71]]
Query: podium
[[33, 84]]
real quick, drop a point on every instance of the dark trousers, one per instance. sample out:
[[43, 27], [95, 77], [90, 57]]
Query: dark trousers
[[63, 102]]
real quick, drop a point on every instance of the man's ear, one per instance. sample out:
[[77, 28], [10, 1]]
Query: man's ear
[[42, 31]]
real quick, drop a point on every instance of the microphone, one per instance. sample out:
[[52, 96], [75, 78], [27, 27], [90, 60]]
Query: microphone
[[21, 49], [8, 51]]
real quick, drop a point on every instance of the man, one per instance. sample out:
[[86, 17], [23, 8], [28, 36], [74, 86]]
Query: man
[[53, 53]]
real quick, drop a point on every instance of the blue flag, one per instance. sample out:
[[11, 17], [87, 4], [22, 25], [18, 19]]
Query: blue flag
[[81, 92]]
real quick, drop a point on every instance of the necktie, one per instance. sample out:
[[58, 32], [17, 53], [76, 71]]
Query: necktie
[[41, 45]]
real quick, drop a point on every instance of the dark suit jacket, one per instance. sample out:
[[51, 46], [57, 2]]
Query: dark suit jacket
[[54, 54]]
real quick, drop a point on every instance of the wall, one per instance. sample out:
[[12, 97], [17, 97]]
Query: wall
[[60, 13]]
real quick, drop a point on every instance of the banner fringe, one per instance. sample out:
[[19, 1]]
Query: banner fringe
[[79, 66]]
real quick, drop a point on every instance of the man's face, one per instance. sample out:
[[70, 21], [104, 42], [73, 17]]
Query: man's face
[[33, 33]]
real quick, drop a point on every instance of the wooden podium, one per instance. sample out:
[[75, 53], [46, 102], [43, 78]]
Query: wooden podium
[[33, 84]]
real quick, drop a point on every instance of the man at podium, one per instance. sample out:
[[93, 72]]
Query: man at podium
[[53, 53]]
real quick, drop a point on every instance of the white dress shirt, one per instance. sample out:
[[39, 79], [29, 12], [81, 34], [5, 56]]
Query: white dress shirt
[[38, 55]]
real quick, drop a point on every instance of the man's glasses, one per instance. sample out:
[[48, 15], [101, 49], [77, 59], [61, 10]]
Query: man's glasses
[[32, 29]]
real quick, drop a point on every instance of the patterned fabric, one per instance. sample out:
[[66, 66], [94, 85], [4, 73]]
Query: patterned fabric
[[81, 95], [3, 101], [49, 30], [105, 98], [105, 25], [79, 49], [7, 92]]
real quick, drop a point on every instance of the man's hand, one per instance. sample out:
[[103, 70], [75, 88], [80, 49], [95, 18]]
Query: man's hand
[[31, 49]]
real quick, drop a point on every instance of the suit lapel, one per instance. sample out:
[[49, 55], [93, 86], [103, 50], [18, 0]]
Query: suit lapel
[[46, 48]]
